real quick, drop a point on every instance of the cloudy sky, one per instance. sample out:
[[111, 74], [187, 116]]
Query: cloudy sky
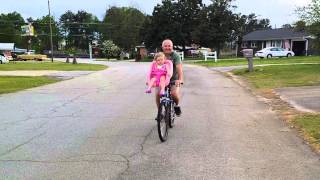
[[278, 11]]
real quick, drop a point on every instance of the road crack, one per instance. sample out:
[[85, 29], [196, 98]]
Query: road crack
[[141, 150], [22, 144]]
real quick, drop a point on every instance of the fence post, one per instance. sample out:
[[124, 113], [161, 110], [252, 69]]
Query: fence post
[[205, 56], [215, 56], [182, 56]]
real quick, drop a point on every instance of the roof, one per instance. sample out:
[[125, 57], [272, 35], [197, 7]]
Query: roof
[[6, 46], [274, 34]]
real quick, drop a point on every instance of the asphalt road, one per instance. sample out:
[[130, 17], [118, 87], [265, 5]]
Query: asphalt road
[[101, 126]]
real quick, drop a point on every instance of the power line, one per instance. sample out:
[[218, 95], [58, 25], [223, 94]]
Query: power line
[[66, 23], [76, 35]]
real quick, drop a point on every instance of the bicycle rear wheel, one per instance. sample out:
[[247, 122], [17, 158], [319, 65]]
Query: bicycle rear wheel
[[162, 123]]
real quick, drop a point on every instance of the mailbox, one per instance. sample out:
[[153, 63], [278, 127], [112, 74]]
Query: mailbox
[[247, 53]]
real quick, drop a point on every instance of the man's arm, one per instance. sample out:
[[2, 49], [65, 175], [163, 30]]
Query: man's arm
[[180, 74]]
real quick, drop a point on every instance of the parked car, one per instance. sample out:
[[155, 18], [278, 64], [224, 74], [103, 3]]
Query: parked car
[[273, 52], [3, 59]]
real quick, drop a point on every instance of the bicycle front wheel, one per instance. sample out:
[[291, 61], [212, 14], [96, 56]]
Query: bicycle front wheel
[[171, 115], [162, 123]]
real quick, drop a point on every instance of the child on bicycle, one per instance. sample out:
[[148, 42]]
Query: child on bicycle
[[160, 73]]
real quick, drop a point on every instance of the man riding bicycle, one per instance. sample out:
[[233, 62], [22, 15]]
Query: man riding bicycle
[[177, 76]]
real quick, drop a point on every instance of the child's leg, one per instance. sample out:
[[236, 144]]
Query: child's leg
[[150, 84], [162, 84]]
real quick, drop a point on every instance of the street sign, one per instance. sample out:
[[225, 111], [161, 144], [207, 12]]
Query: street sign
[[27, 30]]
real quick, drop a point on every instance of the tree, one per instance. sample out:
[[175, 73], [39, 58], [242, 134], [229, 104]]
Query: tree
[[160, 25], [10, 29], [122, 26], [245, 24], [42, 32], [300, 26], [286, 26], [311, 15], [186, 20], [109, 49], [217, 24], [79, 29], [176, 20], [311, 12]]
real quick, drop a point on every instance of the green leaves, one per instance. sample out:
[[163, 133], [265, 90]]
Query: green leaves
[[10, 28], [123, 25], [110, 49], [176, 20], [311, 15], [79, 29]]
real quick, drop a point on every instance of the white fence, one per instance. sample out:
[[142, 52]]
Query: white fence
[[181, 54], [211, 55]]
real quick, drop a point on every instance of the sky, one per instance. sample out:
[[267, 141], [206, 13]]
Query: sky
[[278, 11]]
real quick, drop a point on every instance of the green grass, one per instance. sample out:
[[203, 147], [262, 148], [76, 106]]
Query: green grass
[[60, 66], [256, 61], [282, 76], [10, 84], [310, 124]]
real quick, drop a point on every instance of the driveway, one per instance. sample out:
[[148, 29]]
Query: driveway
[[305, 99], [101, 126], [302, 98]]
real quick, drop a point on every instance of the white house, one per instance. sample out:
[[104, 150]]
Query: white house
[[297, 41]]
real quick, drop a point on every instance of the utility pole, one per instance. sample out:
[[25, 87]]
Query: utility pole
[[51, 43]]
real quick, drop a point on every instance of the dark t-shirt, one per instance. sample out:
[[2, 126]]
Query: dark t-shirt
[[175, 58]]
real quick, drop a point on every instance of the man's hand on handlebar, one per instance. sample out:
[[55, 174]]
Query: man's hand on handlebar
[[178, 83]]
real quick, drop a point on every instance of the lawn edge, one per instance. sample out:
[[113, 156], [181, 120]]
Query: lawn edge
[[282, 109]]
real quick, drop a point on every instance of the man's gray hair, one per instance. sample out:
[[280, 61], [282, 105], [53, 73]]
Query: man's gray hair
[[167, 40]]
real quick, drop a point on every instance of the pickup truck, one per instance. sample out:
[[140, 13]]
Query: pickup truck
[[25, 57]]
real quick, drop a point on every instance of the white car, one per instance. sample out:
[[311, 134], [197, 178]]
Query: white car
[[273, 52], [3, 59]]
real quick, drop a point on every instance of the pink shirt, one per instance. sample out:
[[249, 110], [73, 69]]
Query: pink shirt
[[163, 70]]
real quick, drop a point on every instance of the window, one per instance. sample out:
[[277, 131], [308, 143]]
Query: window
[[253, 44], [244, 45], [277, 43]]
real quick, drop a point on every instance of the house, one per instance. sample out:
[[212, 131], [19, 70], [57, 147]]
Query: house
[[297, 41], [141, 51]]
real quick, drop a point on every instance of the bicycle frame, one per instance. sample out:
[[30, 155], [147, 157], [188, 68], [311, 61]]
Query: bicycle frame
[[166, 99]]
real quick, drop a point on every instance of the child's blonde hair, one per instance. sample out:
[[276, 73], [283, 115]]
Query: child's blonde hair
[[159, 54]]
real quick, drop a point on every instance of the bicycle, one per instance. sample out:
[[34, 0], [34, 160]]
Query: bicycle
[[166, 114]]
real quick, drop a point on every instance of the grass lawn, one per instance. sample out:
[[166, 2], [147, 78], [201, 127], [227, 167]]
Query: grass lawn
[[256, 61], [269, 77], [10, 84], [311, 125], [60, 66]]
